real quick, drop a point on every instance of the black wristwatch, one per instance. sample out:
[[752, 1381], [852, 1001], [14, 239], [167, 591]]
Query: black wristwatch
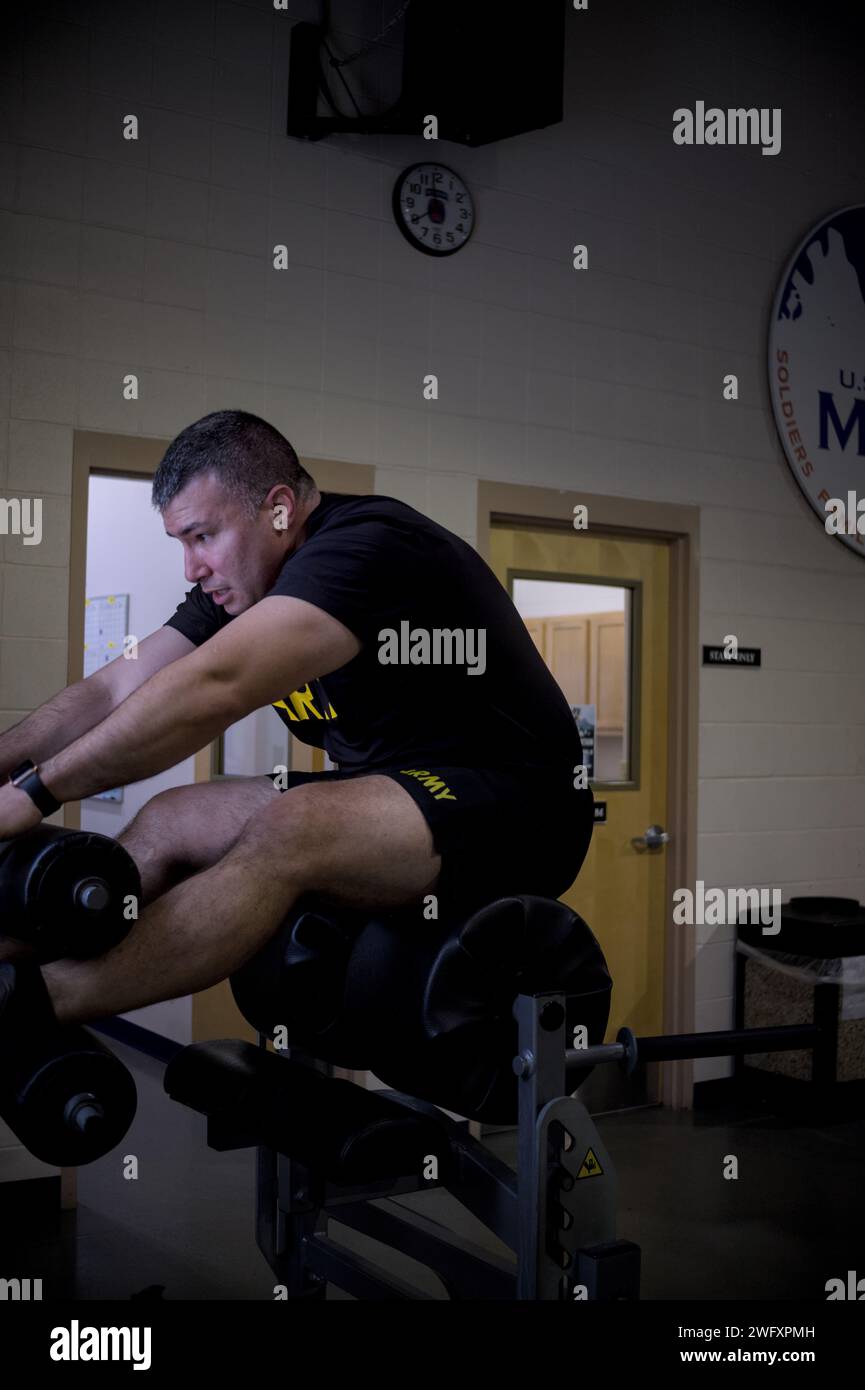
[[27, 778]]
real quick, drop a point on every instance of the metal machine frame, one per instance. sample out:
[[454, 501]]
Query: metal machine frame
[[557, 1212]]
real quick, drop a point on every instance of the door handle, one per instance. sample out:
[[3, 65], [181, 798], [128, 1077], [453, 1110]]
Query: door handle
[[654, 838]]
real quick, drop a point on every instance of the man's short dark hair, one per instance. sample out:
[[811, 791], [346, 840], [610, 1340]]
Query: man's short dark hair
[[244, 452]]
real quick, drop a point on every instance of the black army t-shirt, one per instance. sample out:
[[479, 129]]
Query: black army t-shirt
[[459, 683]]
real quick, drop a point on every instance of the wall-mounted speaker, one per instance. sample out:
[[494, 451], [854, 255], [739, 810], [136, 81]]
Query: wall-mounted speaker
[[485, 71]]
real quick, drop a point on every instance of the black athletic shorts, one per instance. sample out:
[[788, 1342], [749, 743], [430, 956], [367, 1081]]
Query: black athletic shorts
[[498, 831]]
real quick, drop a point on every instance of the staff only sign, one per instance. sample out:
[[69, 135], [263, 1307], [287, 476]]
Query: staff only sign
[[817, 368]]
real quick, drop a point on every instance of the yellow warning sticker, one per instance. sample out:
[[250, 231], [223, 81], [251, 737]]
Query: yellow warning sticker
[[590, 1167]]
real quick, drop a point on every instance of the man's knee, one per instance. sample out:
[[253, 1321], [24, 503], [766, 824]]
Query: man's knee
[[305, 838], [158, 840], [161, 818], [360, 840], [287, 831], [201, 821], [184, 830]]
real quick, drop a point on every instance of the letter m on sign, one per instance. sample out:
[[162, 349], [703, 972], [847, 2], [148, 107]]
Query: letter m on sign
[[829, 415]]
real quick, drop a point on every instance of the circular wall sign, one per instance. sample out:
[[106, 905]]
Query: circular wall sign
[[817, 366]]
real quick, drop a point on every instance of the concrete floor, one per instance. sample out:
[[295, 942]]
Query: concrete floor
[[792, 1220]]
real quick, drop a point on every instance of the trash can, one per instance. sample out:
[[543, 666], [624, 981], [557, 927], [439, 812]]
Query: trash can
[[812, 971]]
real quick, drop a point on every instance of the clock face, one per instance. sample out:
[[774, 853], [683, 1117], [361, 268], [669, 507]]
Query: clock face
[[433, 209]]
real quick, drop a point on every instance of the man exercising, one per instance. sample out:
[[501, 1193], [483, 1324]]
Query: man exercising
[[378, 636]]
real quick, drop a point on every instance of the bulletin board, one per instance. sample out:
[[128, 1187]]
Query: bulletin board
[[106, 623]]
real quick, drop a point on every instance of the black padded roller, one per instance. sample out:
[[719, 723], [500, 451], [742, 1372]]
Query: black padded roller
[[67, 1098], [453, 1041], [344, 1132], [298, 981], [426, 1006], [64, 891]]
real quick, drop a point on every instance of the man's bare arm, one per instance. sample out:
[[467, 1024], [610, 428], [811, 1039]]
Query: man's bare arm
[[81, 706], [277, 646]]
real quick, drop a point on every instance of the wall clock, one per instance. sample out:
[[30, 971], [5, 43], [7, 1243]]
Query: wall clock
[[433, 208]]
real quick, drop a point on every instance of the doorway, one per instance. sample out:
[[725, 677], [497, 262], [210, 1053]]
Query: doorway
[[596, 609], [612, 610]]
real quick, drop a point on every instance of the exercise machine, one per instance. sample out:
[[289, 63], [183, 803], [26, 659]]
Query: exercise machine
[[475, 1018], [471, 1018]]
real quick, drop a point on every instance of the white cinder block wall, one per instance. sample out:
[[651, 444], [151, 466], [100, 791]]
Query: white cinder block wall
[[155, 257]]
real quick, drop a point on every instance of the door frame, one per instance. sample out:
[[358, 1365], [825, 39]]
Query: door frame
[[118, 456], [518, 504]]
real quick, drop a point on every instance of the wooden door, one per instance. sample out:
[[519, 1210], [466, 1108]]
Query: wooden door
[[620, 892]]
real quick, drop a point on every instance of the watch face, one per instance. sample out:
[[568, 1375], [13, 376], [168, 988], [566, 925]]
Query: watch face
[[433, 209]]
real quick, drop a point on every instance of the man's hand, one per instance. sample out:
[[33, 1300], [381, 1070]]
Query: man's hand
[[17, 812]]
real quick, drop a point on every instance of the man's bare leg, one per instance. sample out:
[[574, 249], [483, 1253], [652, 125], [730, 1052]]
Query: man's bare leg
[[363, 843], [179, 832], [186, 829]]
